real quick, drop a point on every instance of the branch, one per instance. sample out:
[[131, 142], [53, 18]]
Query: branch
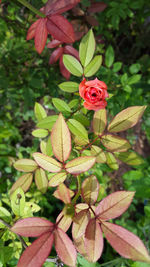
[[33, 9]]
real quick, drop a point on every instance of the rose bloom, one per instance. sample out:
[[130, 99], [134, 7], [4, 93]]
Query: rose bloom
[[94, 93]]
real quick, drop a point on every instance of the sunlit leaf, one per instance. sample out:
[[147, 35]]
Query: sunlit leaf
[[111, 161], [114, 205], [57, 179], [93, 240], [61, 105], [64, 221], [115, 143], [65, 248], [80, 245], [125, 243], [32, 227], [37, 252], [93, 66], [41, 133], [99, 121], [72, 65], [130, 158], [46, 162], [23, 181], [25, 165], [80, 222], [99, 154], [126, 119], [18, 202], [79, 165], [5, 214], [41, 180], [90, 190], [87, 48], [61, 139], [63, 193], [78, 129], [69, 87], [47, 123], [39, 111]]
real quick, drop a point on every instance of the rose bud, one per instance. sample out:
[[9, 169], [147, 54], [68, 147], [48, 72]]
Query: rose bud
[[94, 93]]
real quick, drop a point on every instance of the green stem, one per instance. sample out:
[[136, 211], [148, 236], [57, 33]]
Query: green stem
[[79, 190], [110, 262], [33, 9]]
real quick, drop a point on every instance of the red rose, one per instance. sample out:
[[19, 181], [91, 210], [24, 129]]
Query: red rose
[[94, 93]]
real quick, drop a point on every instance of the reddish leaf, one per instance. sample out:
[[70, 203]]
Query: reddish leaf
[[59, 6], [90, 190], [97, 7], [63, 69], [68, 49], [92, 21], [37, 252], [93, 240], [63, 193], [79, 165], [125, 243], [56, 55], [114, 205], [54, 43], [80, 245], [61, 29], [65, 248], [32, 29], [40, 35], [80, 222], [32, 227], [61, 139], [64, 221]]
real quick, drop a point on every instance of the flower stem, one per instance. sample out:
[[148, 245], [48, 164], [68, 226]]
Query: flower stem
[[79, 190], [33, 9]]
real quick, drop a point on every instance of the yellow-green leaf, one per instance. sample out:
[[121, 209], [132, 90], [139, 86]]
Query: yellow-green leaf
[[47, 163], [111, 161], [18, 202], [41, 180], [25, 165], [69, 87], [130, 158], [115, 143], [87, 48], [93, 66], [41, 133], [61, 105], [79, 165], [73, 65], [57, 179], [126, 119], [47, 123], [61, 139], [78, 129], [99, 121], [90, 190], [39, 111], [99, 154], [24, 182]]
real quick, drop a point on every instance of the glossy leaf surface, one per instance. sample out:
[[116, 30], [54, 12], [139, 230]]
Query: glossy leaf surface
[[79, 165], [72, 65], [47, 163], [78, 129], [61, 105], [69, 87]]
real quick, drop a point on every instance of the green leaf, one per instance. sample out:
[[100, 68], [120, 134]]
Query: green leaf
[[134, 79], [41, 133], [5, 215], [126, 119], [127, 88], [115, 143], [74, 103], [39, 111], [61, 105], [47, 123], [117, 66], [109, 56], [93, 66], [24, 182], [111, 161], [41, 180], [87, 48], [25, 165], [79, 165], [124, 79], [134, 68], [46, 162], [18, 202], [58, 179], [130, 158], [99, 121], [73, 65], [99, 154], [49, 150], [69, 87], [82, 119], [78, 129]]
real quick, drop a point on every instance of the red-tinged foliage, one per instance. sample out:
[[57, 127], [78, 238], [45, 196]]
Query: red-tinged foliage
[[63, 193], [32, 29], [40, 35], [64, 221], [54, 7], [90, 190], [56, 55], [114, 205], [68, 49], [60, 28], [80, 222], [32, 227], [63, 69], [37, 252], [125, 243], [65, 248], [93, 240], [92, 21], [97, 7], [54, 43]]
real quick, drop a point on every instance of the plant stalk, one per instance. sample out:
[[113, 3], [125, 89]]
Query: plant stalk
[[33, 9]]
